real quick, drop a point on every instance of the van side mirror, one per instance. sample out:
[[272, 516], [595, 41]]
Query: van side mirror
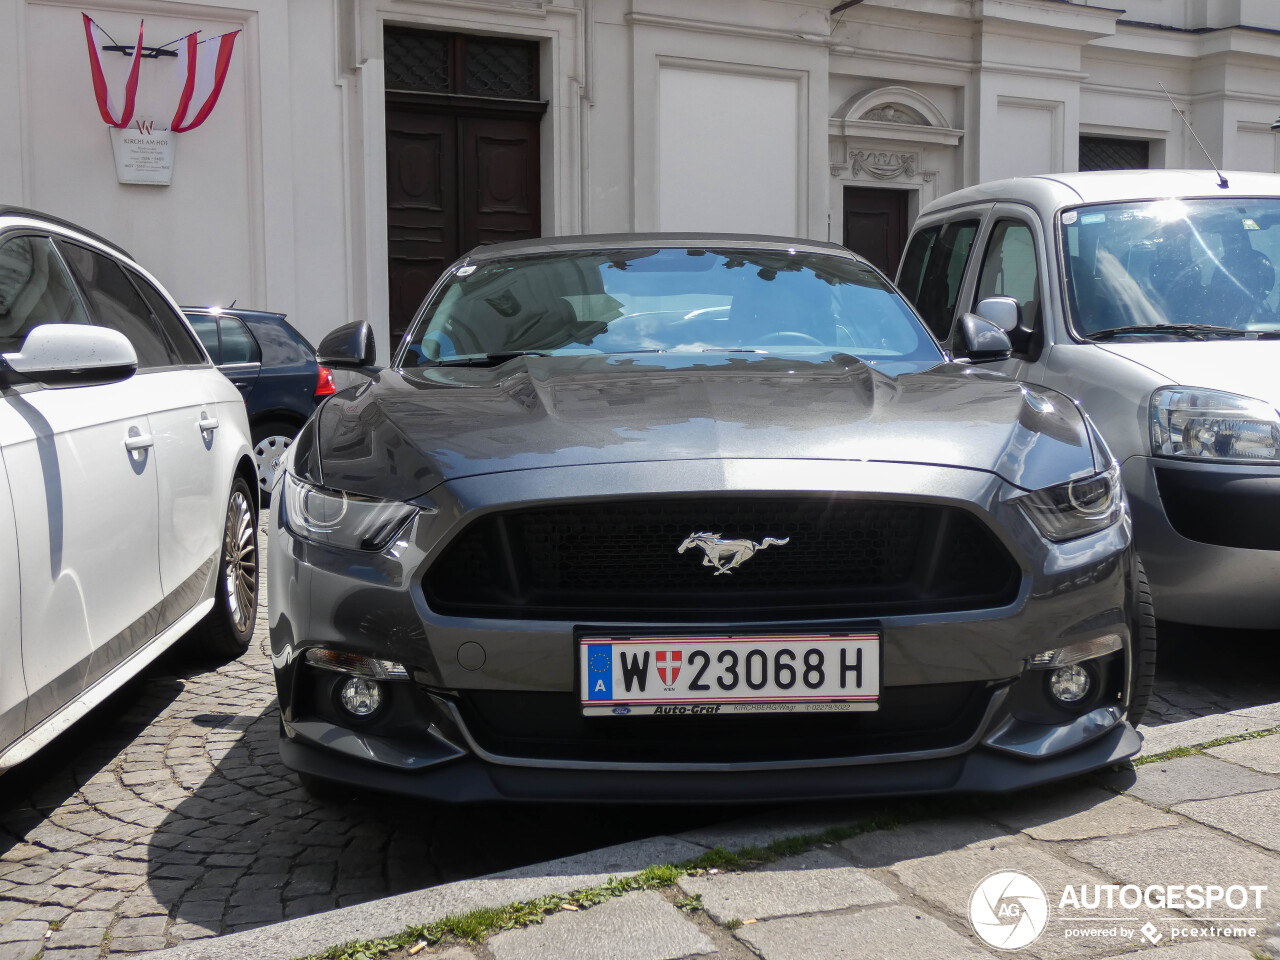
[[350, 345], [1004, 312], [73, 355], [984, 340]]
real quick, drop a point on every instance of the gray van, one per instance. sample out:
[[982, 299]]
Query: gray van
[[1151, 297]]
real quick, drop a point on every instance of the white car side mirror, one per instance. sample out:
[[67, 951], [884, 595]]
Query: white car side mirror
[[74, 354]]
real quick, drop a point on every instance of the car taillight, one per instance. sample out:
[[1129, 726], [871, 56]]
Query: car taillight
[[324, 383]]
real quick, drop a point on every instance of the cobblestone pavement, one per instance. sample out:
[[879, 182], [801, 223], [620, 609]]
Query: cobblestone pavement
[[166, 815]]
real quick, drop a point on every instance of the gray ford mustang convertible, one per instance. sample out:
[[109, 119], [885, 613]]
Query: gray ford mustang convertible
[[685, 517]]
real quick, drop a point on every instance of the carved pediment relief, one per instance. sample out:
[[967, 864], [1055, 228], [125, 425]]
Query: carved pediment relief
[[895, 113], [883, 166]]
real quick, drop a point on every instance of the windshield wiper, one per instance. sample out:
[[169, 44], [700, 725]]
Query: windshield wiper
[[1200, 330], [490, 359]]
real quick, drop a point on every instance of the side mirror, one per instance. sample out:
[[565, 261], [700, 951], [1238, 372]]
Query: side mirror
[[984, 340], [350, 345], [74, 355], [1004, 312]]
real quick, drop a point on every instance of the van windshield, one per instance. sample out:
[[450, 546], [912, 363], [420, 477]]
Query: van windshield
[[1187, 269]]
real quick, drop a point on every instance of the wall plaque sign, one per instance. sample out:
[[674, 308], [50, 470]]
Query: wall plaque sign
[[143, 154]]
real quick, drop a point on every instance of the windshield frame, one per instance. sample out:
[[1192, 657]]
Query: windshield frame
[[440, 289], [1066, 282]]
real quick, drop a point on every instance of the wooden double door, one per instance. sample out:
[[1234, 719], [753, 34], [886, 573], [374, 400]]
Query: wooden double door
[[459, 173], [875, 225]]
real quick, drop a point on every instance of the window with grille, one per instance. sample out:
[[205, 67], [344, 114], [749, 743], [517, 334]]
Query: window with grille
[[1111, 153], [423, 61]]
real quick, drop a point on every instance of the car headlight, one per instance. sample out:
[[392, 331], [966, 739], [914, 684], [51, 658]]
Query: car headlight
[[1199, 424], [340, 519], [1077, 508]]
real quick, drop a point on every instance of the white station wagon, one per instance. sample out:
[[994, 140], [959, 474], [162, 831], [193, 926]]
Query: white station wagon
[[1151, 297], [127, 505]]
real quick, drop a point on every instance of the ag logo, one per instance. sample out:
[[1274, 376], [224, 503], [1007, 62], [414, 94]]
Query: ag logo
[[1008, 910]]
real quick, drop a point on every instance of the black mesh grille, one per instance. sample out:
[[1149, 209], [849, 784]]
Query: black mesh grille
[[416, 60], [1110, 153], [551, 726], [620, 560], [501, 68]]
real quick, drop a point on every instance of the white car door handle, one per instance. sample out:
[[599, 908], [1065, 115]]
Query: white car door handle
[[208, 424], [140, 441]]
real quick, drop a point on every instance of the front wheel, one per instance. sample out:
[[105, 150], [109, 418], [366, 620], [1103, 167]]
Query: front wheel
[[1143, 679], [229, 625]]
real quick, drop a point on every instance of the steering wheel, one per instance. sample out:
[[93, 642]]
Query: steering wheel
[[794, 335]]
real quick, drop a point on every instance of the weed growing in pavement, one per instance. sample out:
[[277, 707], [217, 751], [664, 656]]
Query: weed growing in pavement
[[478, 924], [1202, 747], [690, 904], [733, 923]]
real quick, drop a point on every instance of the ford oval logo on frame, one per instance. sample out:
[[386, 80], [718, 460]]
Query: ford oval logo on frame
[[622, 711]]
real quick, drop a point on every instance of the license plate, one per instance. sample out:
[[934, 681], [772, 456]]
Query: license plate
[[629, 676]]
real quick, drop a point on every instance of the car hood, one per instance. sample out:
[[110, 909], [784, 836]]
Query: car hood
[[1246, 367], [407, 431]]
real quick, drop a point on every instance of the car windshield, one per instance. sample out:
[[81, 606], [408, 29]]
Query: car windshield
[[1173, 268], [667, 300]]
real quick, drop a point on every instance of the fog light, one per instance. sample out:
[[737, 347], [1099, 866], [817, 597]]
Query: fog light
[[1070, 684], [360, 697]]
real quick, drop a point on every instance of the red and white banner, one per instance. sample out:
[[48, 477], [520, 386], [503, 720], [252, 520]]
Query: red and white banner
[[96, 37], [205, 71]]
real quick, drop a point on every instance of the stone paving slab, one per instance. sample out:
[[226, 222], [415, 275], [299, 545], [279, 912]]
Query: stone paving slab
[[639, 926], [1262, 754], [1190, 733], [1197, 777], [886, 933], [761, 830], [1254, 817], [924, 838], [1192, 951], [623, 859], [948, 880], [1185, 854], [1081, 814], [814, 882], [381, 918]]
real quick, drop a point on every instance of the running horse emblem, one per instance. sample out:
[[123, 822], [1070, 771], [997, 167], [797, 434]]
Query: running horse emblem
[[724, 555]]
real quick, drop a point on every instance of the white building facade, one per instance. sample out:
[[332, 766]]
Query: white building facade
[[358, 146]]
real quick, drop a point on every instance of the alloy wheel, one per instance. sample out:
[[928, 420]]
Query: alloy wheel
[[240, 561]]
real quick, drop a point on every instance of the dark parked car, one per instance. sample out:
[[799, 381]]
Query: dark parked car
[[674, 517], [275, 369]]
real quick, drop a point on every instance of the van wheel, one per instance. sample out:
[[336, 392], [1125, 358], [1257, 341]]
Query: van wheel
[[229, 625], [1144, 646]]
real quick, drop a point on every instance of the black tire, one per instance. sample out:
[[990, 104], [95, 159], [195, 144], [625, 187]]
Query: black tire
[[1143, 680], [271, 438], [225, 632]]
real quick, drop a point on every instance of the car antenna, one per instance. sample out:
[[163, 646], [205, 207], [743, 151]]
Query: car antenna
[[1222, 181], [233, 302]]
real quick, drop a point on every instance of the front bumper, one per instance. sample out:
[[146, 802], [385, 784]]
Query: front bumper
[[468, 779], [374, 605], [1212, 553]]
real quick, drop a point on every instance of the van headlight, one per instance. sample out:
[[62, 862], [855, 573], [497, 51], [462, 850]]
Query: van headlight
[[339, 519], [1196, 424], [1077, 508]]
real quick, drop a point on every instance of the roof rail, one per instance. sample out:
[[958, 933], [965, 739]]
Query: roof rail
[[7, 211]]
